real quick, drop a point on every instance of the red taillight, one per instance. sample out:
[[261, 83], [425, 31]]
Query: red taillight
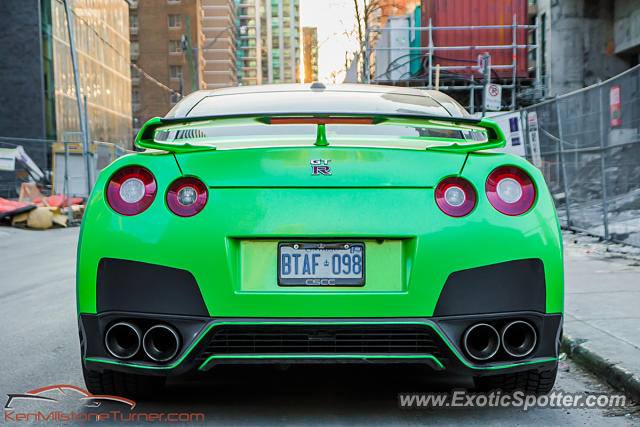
[[321, 120], [187, 196], [510, 190], [131, 190], [455, 196]]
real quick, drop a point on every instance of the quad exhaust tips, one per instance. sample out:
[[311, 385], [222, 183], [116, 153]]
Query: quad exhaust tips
[[481, 341], [161, 343], [123, 340], [518, 338]]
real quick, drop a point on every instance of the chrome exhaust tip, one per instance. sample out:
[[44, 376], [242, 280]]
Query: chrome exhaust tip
[[519, 338], [481, 341], [122, 340], [161, 343]]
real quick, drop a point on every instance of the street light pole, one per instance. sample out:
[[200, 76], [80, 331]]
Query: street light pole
[[486, 71], [81, 111]]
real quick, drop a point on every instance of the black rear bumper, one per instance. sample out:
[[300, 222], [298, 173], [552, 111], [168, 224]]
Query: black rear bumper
[[206, 341]]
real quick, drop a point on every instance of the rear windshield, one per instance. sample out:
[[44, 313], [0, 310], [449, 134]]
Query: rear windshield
[[403, 134]]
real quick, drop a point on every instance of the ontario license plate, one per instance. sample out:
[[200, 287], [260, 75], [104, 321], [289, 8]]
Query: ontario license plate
[[320, 264]]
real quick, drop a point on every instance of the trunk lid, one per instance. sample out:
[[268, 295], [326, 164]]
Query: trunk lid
[[320, 167]]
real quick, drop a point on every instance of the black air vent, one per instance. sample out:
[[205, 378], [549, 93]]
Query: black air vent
[[321, 339]]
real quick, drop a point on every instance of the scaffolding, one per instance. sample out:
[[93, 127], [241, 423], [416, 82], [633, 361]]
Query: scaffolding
[[533, 89]]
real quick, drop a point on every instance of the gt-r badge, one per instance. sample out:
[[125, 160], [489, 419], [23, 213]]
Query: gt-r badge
[[320, 167]]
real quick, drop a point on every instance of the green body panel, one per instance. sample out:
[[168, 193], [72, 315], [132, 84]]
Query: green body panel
[[290, 167], [257, 197]]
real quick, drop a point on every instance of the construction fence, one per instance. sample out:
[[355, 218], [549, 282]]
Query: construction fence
[[56, 167], [587, 145]]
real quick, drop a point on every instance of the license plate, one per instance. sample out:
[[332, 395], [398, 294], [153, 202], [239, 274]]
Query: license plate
[[320, 264]]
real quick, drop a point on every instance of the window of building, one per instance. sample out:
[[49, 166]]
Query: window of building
[[175, 46], [135, 75], [175, 71], [175, 21], [134, 50], [133, 24], [135, 100], [173, 1]]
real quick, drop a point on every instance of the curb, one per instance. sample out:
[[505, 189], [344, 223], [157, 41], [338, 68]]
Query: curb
[[614, 374]]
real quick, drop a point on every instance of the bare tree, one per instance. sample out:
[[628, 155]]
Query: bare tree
[[368, 14]]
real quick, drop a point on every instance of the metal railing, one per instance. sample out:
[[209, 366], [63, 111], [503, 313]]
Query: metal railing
[[589, 143], [428, 61]]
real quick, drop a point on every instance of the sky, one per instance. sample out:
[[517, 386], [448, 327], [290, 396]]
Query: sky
[[332, 18]]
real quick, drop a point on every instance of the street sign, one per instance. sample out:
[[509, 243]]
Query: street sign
[[511, 126], [614, 106], [493, 97], [484, 63], [7, 159], [534, 139]]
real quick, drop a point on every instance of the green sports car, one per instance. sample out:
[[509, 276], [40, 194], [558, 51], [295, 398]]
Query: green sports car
[[319, 224]]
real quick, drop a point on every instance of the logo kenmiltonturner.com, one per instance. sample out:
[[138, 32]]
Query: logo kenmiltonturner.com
[[92, 400], [56, 396]]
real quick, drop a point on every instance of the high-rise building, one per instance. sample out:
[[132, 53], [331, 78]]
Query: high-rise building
[[166, 55], [268, 41], [310, 53], [39, 93], [219, 49], [249, 53]]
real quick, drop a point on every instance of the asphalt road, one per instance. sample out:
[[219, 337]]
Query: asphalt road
[[39, 345]]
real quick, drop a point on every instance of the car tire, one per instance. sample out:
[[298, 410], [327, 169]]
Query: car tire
[[531, 382], [121, 384]]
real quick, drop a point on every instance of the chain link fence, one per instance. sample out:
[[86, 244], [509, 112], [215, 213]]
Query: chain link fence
[[589, 144]]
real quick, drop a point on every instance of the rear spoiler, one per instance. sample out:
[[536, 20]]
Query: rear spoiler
[[145, 137]]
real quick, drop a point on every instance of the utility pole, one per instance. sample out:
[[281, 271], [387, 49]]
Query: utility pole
[[81, 111], [485, 62], [187, 47]]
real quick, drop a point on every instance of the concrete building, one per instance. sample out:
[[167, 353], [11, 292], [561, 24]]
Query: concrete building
[[384, 9], [586, 41], [36, 72], [219, 49], [166, 55], [310, 53], [268, 41]]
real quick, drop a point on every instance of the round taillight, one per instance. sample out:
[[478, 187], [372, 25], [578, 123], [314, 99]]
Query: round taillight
[[131, 190], [510, 190], [455, 196], [187, 196]]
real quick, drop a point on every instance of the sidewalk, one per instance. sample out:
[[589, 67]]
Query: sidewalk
[[602, 310]]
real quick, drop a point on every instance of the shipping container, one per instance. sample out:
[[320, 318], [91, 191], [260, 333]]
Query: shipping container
[[450, 13]]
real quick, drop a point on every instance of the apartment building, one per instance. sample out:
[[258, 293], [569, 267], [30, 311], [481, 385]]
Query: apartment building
[[310, 53], [219, 49], [166, 55], [268, 40]]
